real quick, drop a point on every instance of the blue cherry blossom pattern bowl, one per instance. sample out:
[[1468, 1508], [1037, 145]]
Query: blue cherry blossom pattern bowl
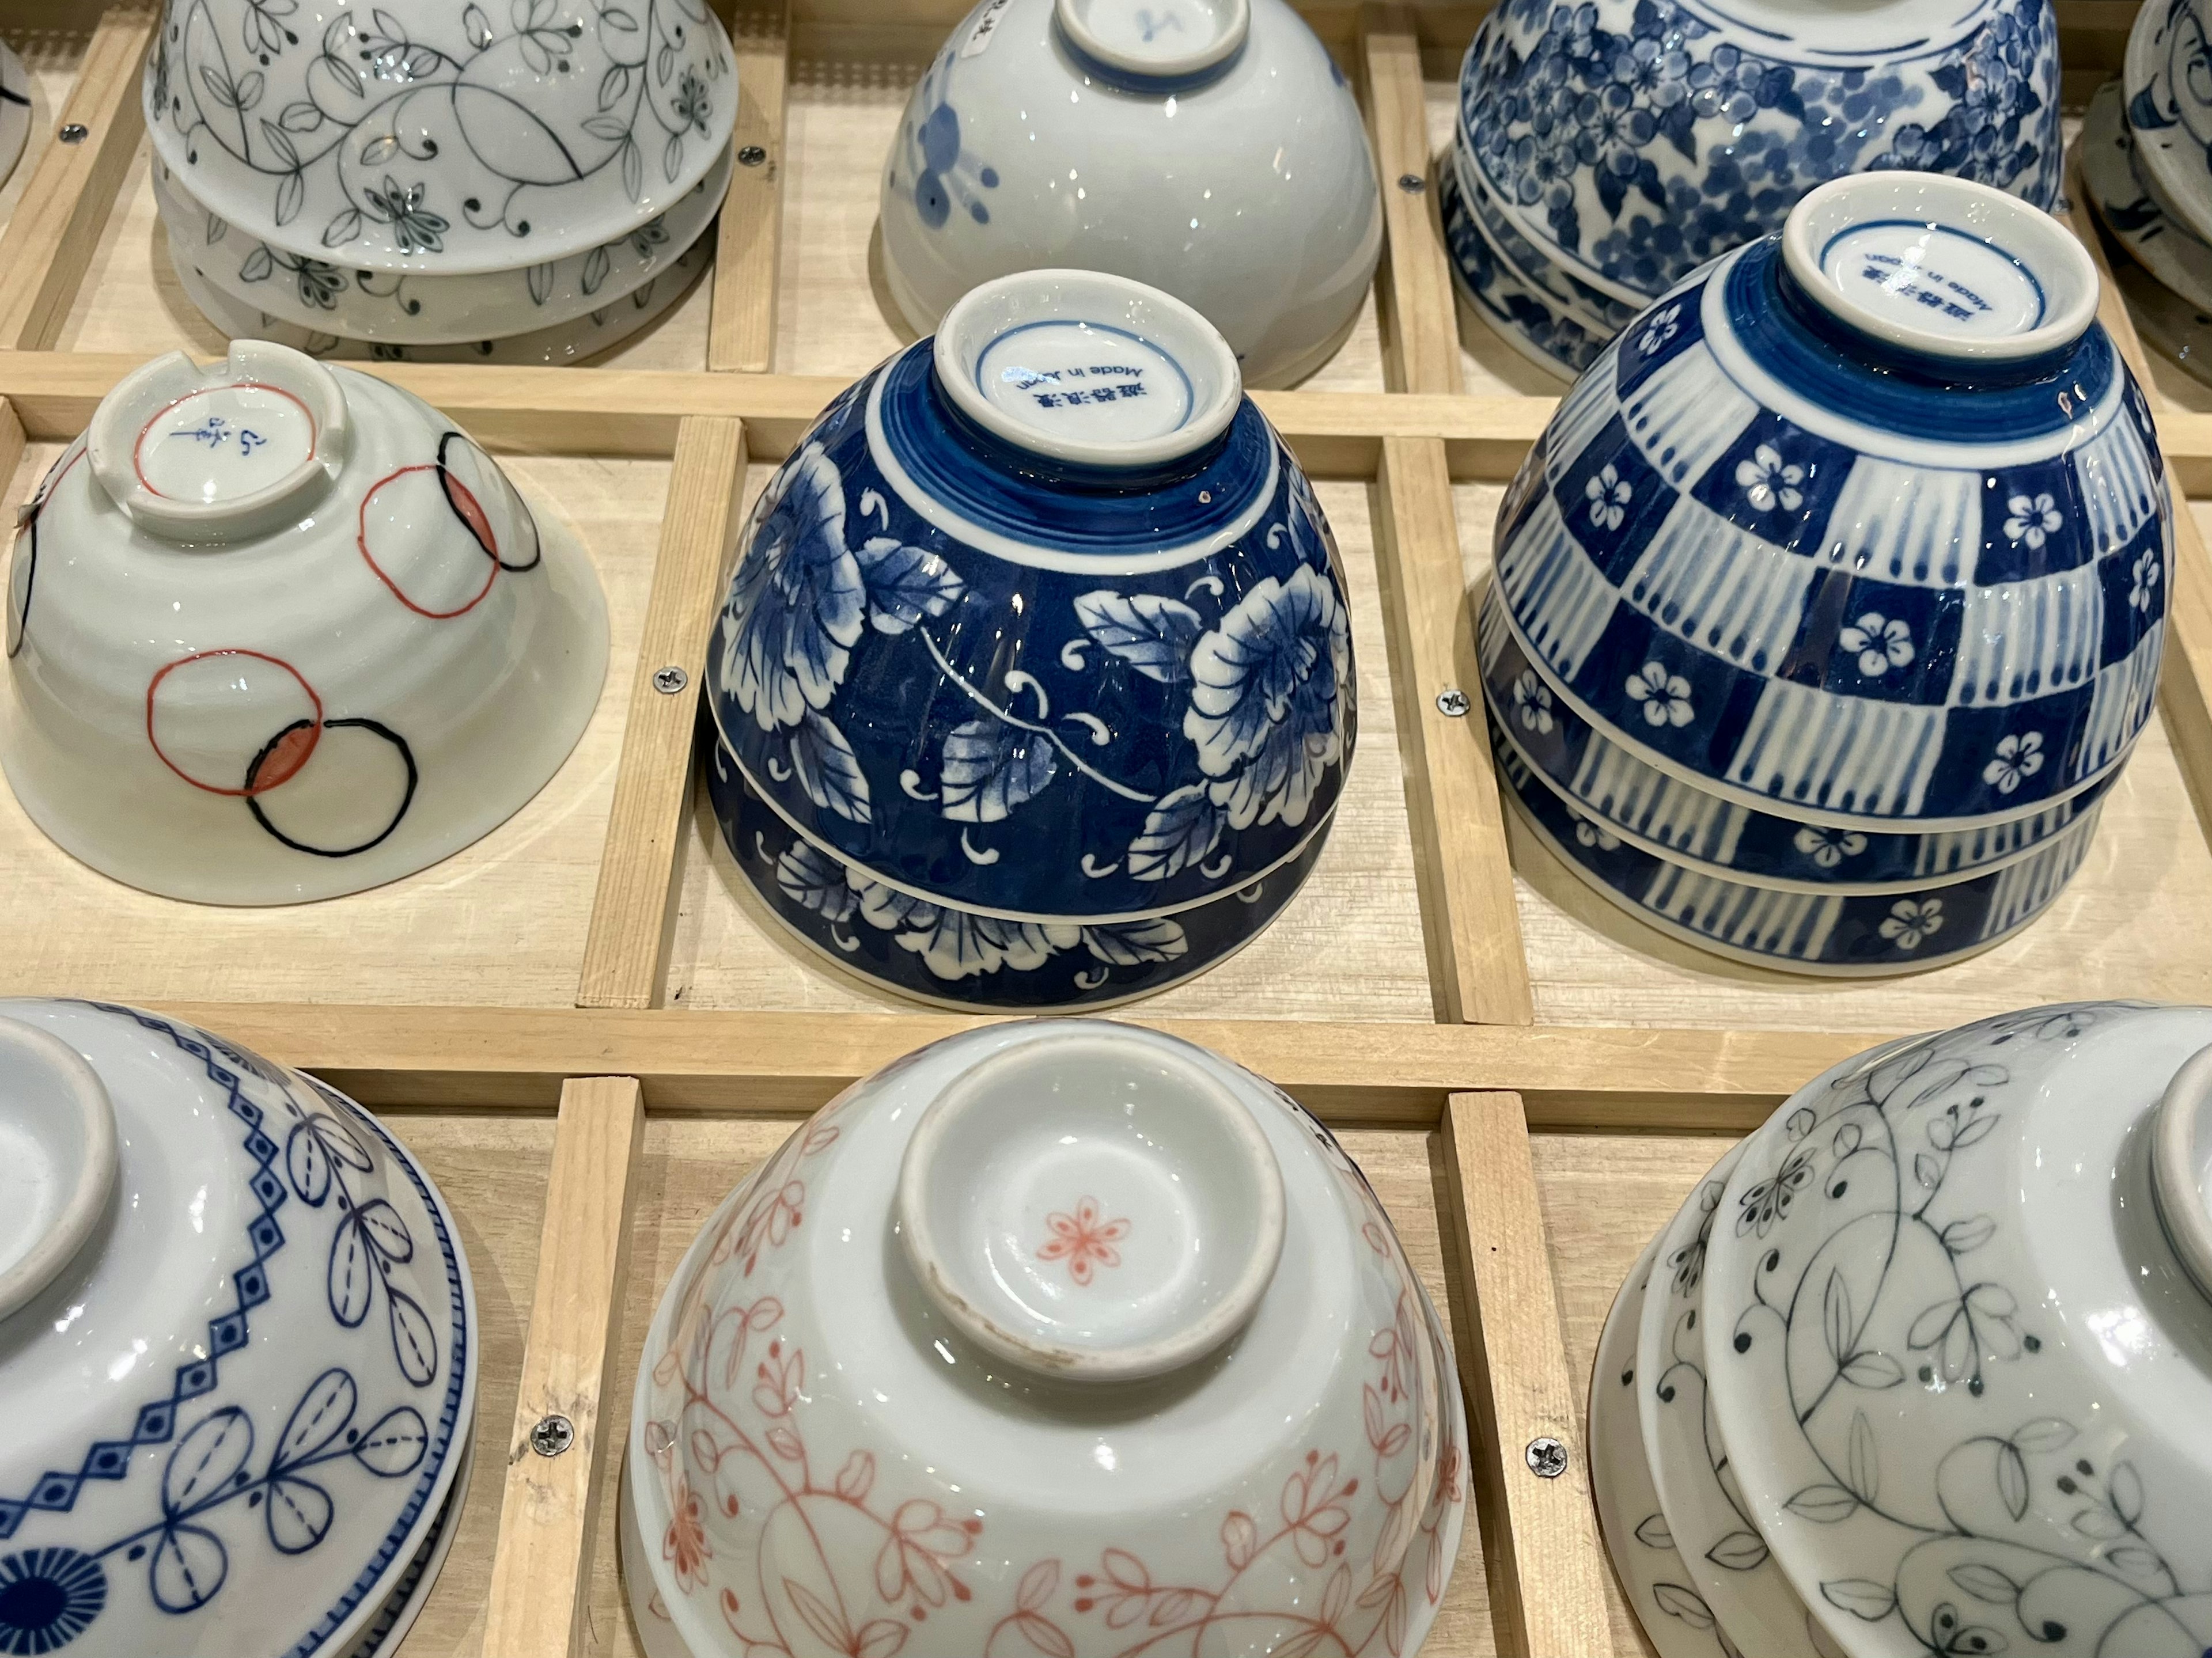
[[1042, 622], [1668, 817], [1523, 311], [1835, 933], [1866, 520], [1634, 140], [240, 1375]]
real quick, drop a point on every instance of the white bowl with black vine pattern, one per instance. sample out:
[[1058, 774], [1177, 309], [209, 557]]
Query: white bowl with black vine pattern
[[238, 1351], [1212, 149], [1034, 686], [429, 139]]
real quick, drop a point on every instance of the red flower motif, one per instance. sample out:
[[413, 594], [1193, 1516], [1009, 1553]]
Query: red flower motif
[[1083, 1240], [923, 1542], [685, 1545]]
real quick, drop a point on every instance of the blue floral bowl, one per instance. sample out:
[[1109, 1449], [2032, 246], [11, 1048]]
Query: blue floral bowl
[[1633, 140], [1867, 520], [1042, 622], [1673, 819], [1835, 933], [240, 1379], [1525, 313]]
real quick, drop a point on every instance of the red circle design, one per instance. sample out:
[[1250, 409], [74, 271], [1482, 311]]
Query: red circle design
[[138, 448], [293, 751], [491, 570]]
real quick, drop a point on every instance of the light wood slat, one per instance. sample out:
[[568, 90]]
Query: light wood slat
[[549, 1517], [615, 411], [626, 953], [1414, 292], [1547, 1571], [2184, 688], [741, 326], [50, 239], [1471, 925], [753, 1062]]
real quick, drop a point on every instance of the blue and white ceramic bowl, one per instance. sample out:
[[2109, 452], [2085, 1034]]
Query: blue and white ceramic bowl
[[1042, 622], [1867, 520], [1835, 933], [1634, 140], [1525, 313], [238, 1350], [1670, 818], [2129, 204], [2169, 108]]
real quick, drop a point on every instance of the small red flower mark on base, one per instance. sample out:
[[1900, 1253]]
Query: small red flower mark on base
[[1084, 1240]]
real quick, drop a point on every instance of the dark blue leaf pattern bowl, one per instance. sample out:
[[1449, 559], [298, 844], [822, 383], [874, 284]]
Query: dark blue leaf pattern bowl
[[1041, 625], [243, 1404], [1637, 139]]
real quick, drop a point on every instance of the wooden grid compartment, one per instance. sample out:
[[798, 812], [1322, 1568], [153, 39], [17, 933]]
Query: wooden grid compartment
[[591, 1031]]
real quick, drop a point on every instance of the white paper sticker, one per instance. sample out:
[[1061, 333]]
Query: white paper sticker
[[979, 37]]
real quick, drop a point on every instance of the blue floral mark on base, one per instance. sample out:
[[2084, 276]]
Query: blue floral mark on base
[[945, 173]]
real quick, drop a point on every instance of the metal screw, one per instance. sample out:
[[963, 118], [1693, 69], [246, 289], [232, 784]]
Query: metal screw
[[555, 1434], [671, 680], [1547, 1458], [1412, 183], [752, 155], [1453, 704], [75, 133]]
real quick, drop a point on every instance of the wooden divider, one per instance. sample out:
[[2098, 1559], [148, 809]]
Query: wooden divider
[[1414, 291], [741, 329], [1548, 1569], [548, 1515], [626, 953]]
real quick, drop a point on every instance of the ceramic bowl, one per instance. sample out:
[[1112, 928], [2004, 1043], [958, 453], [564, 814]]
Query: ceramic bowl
[[1867, 520], [1633, 142], [1052, 1337], [238, 1343], [1042, 620], [15, 110], [396, 308], [416, 136], [1662, 815], [576, 341], [1831, 933], [2127, 207], [278, 631], [1958, 1343], [2169, 108], [1527, 316], [2169, 326], [1210, 149]]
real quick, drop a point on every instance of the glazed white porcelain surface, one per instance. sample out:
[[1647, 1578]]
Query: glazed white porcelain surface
[[2169, 107], [400, 309], [578, 341], [15, 110], [420, 136], [822, 1459], [2134, 213], [241, 1404], [277, 631], [1221, 157], [1965, 1378], [1650, 1568]]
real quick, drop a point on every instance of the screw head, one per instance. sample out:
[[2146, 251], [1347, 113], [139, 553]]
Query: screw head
[[1453, 704], [552, 1435], [670, 680], [1547, 1458], [1412, 183], [75, 133], [752, 155]]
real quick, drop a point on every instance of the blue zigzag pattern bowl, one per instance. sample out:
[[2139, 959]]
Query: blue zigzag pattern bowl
[[242, 1408], [1042, 623]]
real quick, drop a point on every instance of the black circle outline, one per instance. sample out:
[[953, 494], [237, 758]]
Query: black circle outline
[[406, 755], [448, 482]]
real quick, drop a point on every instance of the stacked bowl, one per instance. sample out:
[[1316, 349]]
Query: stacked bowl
[[2144, 168], [1830, 604], [416, 179], [1604, 150], [1925, 1365]]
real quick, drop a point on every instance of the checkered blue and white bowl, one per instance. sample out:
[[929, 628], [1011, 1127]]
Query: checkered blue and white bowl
[[238, 1351], [1867, 520]]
